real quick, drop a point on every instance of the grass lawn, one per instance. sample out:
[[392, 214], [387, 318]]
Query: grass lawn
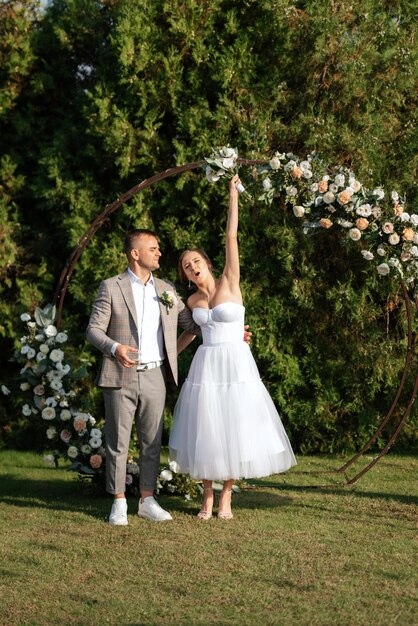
[[292, 554]]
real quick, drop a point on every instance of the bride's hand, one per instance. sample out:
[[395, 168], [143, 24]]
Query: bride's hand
[[235, 180]]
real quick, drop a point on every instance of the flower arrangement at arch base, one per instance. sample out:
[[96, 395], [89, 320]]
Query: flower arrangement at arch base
[[325, 198], [53, 397]]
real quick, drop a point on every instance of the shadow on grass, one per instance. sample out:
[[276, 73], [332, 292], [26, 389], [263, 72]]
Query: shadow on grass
[[55, 494], [338, 490]]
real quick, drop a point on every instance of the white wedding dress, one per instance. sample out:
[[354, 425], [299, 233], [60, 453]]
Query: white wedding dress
[[225, 423]]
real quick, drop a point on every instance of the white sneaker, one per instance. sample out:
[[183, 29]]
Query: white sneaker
[[150, 509], [119, 513]]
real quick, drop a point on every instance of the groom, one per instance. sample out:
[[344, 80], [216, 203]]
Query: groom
[[134, 324]]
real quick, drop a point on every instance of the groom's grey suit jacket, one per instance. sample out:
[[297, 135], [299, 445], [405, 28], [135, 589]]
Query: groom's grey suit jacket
[[113, 319]]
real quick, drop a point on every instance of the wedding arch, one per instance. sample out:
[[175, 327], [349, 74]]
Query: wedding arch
[[410, 307]]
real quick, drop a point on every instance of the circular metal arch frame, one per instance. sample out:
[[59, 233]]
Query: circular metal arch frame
[[64, 279]]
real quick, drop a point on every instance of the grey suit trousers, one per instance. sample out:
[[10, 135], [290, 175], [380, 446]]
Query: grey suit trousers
[[143, 399]]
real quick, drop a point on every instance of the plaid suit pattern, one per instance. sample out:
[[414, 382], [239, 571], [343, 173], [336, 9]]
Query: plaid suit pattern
[[113, 318]]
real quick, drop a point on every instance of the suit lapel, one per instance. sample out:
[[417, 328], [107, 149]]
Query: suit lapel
[[159, 288], [126, 289]]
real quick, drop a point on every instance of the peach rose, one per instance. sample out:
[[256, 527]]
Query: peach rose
[[398, 209], [362, 223], [344, 196], [79, 424], [408, 234], [297, 172], [325, 222], [322, 186], [96, 461]]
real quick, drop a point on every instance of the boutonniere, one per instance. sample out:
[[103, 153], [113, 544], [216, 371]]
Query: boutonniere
[[168, 299]]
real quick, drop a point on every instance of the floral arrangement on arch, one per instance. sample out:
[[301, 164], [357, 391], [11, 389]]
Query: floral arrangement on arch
[[49, 384], [333, 198]]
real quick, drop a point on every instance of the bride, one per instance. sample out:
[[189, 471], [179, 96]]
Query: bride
[[225, 424]]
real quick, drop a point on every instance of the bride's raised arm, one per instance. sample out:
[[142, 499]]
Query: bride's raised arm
[[231, 270]]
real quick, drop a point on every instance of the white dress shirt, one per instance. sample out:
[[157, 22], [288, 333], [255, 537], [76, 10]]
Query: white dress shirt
[[148, 317]]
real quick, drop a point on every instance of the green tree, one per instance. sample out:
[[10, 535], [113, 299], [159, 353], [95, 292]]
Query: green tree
[[115, 91]]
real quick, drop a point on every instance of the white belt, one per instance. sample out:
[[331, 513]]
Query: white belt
[[142, 367]]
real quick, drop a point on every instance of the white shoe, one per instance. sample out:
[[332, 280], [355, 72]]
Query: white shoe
[[119, 513], [150, 509]]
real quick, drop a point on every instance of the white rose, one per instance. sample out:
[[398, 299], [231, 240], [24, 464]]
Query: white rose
[[5, 390], [414, 219], [383, 269], [367, 255], [96, 433], [275, 163], [53, 375], [95, 442], [85, 449], [25, 386], [40, 357], [25, 317], [340, 180], [379, 193], [51, 432], [414, 251], [332, 187], [394, 239], [267, 183], [291, 191], [44, 348], [307, 174], [405, 217], [364, 210], [56, 385], [328, 197], [50, 331], [24, 349], [166, 475], [344, 223], [174, 466], [30, 353], [228, 152], [56, 355], [63, 369], [354, 234], [381, 251], [229, 162], [26, 410], [314, 187], [305, 165], [298, 211], [51, 402], [49, 459], [39, 337], [354, 184], [65, 415], [395, 196], [61, 338], [48, 413], [72, 452]]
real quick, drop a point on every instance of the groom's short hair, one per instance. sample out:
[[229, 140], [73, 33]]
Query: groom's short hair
[[130, 237]]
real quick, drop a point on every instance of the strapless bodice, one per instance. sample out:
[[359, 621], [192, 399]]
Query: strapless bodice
[[224, 323]]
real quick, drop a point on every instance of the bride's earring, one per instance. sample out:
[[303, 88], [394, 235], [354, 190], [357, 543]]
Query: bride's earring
[[189, 283]]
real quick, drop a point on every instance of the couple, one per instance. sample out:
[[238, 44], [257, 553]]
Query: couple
[[225, 424]]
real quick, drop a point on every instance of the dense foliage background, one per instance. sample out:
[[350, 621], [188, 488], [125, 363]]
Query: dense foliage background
[[96, 95]]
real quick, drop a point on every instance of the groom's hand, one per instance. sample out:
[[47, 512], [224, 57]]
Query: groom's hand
[[124, 353], [247, 334]]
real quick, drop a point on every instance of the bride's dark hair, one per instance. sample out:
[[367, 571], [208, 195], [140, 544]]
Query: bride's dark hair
[[202, 254]]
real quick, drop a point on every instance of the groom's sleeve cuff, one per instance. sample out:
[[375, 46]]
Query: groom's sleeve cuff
[[113, 348]]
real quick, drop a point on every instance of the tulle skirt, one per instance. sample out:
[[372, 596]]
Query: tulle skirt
[[225, 424]]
